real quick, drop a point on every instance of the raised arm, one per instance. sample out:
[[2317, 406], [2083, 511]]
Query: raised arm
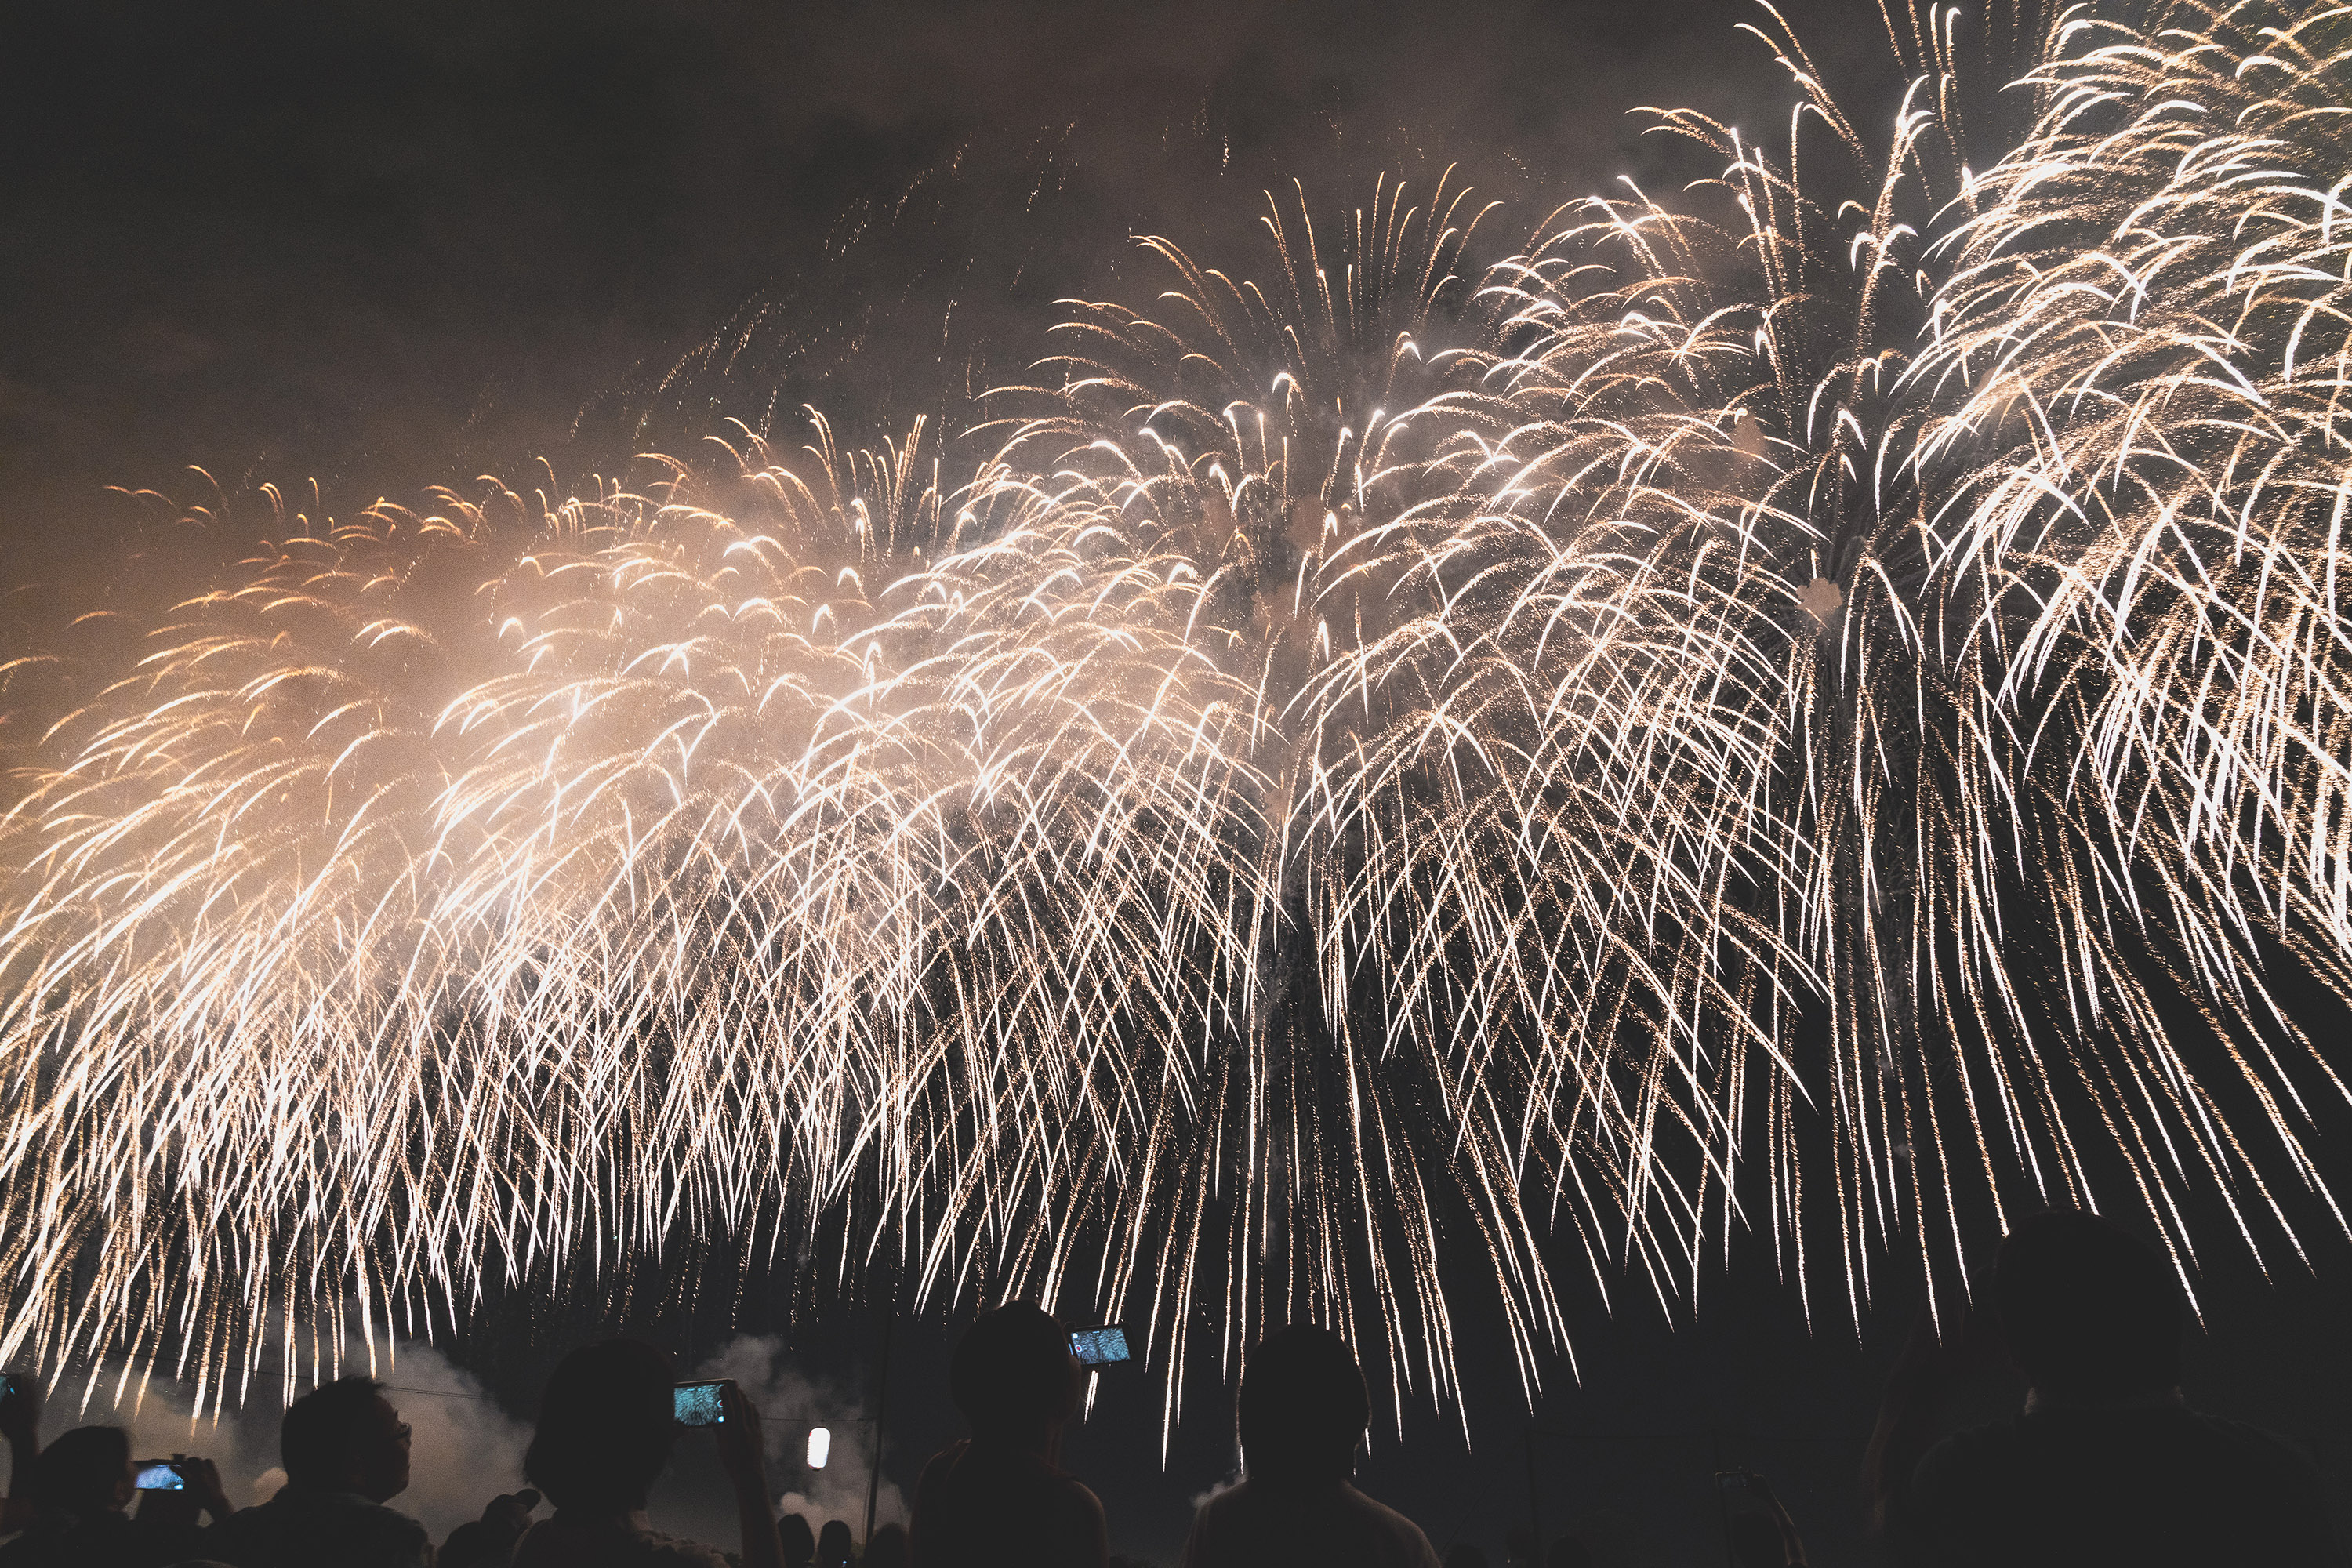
[[744, 1454], [20, 1422]]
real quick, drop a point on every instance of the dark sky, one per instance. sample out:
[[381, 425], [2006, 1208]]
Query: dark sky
[[396, 244], [386, 247]]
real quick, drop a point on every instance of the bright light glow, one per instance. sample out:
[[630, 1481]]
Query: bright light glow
[[820, 1447]]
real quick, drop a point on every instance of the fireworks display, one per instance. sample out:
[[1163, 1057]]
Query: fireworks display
[[1384, 787]]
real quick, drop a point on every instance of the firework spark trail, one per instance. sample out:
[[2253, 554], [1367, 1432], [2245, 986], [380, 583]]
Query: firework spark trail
[[2148, 312], [1383, 774], [1486, 746]]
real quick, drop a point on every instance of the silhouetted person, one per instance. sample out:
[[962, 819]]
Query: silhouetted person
[[834, 1545], [489, 1542], [999, 1496], [82, 1483], [1301, 1414], [345, 1452], [2105, 1463], [887, 1549], [607, 1423], [799, 1541]]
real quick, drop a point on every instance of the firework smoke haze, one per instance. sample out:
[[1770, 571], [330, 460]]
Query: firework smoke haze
[[1423, 759]]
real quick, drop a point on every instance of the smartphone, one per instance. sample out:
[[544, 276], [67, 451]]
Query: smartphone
[[699, 1404], [161, 1476], [1100, 1346]]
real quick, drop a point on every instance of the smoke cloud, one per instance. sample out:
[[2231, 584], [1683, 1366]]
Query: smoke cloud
[[790, 1403]]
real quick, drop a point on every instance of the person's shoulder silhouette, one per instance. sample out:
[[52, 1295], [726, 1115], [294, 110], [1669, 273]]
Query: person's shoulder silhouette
[[1300, 1415], [2106, 1463], [1001, 1497]]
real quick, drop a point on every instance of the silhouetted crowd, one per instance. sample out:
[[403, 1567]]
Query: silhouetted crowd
[[2106, 1463]]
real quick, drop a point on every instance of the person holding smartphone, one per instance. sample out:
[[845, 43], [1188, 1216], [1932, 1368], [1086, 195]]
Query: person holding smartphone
[[607, 1424], [82, 1484]]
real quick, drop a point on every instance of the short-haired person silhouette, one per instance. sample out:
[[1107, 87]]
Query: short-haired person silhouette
[[1001, 1497], [345, 1451], [606, 1424], [1301, 1414], [2106, 1463], [799, 1541], [835, 1547]]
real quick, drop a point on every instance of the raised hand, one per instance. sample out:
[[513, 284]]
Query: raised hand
[[203, 1478], [744, 1454]]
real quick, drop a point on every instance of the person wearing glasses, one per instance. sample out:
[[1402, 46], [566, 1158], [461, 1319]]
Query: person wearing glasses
[[345, 1451]]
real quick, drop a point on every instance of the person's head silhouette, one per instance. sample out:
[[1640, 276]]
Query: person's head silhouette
[[800, 1541], [84, 1474], [2088, 1312], [606, 1421], [345, 1437], [1302, 1408], [834, 1545], [1014, 1376]]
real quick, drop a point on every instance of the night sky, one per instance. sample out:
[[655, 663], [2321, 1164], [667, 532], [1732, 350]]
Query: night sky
[[389, 247]]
